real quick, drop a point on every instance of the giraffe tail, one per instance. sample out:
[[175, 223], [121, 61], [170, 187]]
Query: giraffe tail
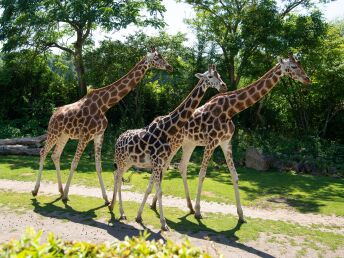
[[123, 179], [128, 179]]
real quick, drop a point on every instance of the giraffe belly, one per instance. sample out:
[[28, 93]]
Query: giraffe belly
[[141, 161]]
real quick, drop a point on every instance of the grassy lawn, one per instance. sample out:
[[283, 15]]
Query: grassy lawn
[[304, 193], [92, 209]]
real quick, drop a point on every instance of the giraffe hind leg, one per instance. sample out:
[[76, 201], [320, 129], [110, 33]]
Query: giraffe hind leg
[[98, 141], [49, 144], [227, 151], [183, 166], [208, 152], [60, 144], [79, 150]]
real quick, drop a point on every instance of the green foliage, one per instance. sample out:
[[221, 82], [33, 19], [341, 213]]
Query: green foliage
[[242, 38], [29, 245], [246, 30], [32, 90], [46, 24]]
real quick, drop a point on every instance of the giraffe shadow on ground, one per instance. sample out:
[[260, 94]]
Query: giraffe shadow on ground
[[113, 227], [201, 231]]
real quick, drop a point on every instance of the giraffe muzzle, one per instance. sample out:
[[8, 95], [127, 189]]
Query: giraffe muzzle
[[223, 87], [307, 81], [169, 68]]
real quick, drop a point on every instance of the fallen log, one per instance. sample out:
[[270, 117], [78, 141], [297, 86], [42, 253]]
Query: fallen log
[[31, 141], [19, 150]]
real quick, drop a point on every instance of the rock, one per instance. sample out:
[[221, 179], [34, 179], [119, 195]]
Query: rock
[[256, 159]]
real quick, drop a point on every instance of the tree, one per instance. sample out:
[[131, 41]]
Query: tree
[[44, 24], [242, 29]]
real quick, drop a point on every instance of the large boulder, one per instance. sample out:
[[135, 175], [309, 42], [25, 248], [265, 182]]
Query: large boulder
[[255, 159]]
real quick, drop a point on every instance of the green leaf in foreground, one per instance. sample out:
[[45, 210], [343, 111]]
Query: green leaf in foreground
[[29, 246]]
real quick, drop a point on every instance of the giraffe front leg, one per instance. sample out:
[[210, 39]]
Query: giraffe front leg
[[227, 151], [208, 152], [79, 150], [98, 140]]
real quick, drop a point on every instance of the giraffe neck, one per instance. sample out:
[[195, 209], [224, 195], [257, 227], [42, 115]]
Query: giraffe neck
[[177, 118], [108, 96], [243, 98]]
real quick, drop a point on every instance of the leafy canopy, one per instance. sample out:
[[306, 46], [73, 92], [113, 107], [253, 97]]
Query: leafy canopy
[[50, 23]]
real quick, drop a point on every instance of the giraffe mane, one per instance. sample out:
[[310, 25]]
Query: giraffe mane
[[228, 93]]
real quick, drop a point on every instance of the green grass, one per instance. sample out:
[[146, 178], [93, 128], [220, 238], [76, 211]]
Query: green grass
[[91, 211], [305, 193]]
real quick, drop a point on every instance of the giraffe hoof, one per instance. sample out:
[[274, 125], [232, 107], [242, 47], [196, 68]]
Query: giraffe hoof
[[65, 199], [153, 206], [34, 193], [198, 216], [123, 217], [192, 211], [139, 220], [165, 228], [107, 203]]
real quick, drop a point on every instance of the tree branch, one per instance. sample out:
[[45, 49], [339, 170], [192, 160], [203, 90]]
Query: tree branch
[[54, 44], [291, 7], [88, 30]]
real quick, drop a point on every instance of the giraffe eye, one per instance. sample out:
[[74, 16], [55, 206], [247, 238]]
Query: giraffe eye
[[293, 66], [210, 76]]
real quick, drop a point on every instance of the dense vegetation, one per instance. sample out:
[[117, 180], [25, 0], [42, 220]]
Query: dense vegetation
[[29, 246], [302, 123]]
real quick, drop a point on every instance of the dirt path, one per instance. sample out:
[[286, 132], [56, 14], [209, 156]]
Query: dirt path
[[169, 201], [71, 227]]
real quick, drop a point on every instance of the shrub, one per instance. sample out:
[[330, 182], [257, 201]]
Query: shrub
[[29, 246], [312, 154]]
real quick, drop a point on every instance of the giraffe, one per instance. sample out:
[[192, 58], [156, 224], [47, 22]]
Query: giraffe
[[155, 145], [85, 120], [211, 125]]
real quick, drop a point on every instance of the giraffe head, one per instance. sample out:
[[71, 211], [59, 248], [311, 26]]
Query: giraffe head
[[212, 78], [292, 68], [154, 59]]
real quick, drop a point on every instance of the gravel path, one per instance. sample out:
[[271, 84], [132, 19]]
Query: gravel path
[[307, 219], [71, 227]]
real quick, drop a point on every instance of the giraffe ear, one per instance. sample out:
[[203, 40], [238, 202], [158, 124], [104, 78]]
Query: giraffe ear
[[199, 75], [280, 60]]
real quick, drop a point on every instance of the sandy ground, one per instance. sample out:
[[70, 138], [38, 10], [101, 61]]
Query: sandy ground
[[69, 227]]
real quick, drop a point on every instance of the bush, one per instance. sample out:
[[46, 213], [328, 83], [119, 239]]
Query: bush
[[311, 154], [29, 246]]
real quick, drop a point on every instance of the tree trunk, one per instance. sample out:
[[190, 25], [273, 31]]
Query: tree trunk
[[79, 65], [233, 84], [30, 141], [19, 150]]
